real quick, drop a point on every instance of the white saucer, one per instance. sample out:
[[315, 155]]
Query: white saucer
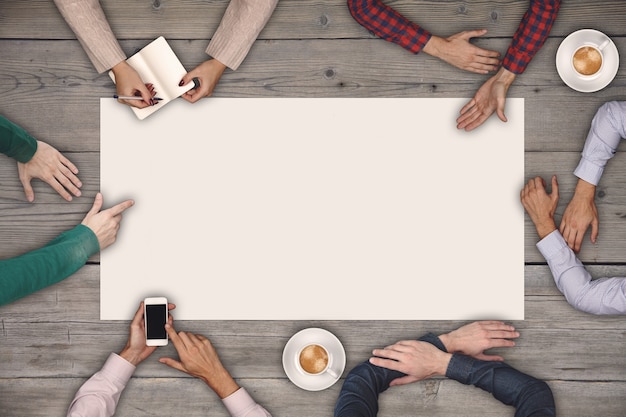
[[306, 337], [564, 61]]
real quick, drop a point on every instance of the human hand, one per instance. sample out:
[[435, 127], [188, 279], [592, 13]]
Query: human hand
[[209, 74], [105, 223], [490, 98], [540, 205], [419, 360], [198, 358], [475, 338], [49, 165], [136, 350], [129, 83], [579, 214], [457, 50]]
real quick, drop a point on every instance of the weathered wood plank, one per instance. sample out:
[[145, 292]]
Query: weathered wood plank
[[63, 322], [301, 19], [557, 118], [173, 396]]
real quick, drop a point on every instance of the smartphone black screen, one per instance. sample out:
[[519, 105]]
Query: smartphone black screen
[[155, 321]]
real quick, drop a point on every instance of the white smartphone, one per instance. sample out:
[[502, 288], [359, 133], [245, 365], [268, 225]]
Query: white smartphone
[[155, 317]]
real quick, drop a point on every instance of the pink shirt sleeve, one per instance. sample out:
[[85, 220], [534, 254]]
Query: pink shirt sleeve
[[98, 397], [241, 404]]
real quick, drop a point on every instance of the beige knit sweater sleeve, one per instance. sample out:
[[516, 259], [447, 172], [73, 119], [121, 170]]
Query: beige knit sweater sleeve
[[86, 18], [241, 24]]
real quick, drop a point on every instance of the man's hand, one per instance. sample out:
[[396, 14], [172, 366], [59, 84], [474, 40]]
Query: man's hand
[[49, 165], [209, 74], [136, 350], [419, 360], [457, 50], [579, 214], [490, 98], [540, 205], [129, 83], [105, 223], [198, 358], [475, 338]]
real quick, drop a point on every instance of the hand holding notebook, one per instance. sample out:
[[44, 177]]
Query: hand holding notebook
[[158, 65]]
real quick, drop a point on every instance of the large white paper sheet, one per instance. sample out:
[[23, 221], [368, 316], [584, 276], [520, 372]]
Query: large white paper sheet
[[310, 208]]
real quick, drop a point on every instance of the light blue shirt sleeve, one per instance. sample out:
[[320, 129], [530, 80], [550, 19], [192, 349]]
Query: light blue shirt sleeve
[[595, 296], [608, 128]]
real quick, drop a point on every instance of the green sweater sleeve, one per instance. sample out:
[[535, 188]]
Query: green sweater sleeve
[[15, 142], [32, 271]]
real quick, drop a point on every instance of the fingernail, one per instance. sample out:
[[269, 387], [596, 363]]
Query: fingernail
[[180, 84]]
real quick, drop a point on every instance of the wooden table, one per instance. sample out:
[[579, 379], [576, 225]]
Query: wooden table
[[52, 341]]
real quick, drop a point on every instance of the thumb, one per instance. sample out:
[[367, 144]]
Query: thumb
[[188, 78], [97, 205], [555, 189], [468, 34], [145, 94], [500, 110], [484, 357], [172, 363], [403, 380], [594, 230], [28, 189]]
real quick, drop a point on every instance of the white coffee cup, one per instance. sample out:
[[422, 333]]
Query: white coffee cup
[[588, 60], [314, 359]]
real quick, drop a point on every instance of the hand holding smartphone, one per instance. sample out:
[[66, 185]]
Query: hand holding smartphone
[[155, 316]]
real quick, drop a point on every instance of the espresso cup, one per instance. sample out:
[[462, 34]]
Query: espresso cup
[[587, 60], [314, 359]]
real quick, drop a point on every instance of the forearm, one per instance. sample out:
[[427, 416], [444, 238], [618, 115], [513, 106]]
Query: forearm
[[363, 384], [30, 272], [88, 22], [15, 142], [529, 396], [600, 296], [531, 34], [608, 128], [388, 24], [101, 393], [241, 24]]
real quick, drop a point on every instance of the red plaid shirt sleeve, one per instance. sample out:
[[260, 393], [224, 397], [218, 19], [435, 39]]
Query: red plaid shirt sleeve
[[532, 32], [388, 24]]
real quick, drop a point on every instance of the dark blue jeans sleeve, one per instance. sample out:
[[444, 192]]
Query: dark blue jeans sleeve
[[360, 390], [530, 396]]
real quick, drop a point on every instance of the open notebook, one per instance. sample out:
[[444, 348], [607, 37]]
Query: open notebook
[[156, 63]]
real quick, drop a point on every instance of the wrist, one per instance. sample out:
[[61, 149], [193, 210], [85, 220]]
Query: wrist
[[130, 356], [434, 46], [585, 190], [442, 363], [505, 76], [222, 384], [545, 227]]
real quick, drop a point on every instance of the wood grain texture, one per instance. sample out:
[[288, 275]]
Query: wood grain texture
[[300, 19], [59, 72], [53, 340]]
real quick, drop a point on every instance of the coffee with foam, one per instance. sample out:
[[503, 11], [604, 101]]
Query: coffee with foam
[[313, 359], [587, 60]]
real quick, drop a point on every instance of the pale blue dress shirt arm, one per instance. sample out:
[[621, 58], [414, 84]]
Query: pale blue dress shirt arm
[[608, 127], [599, 296]]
